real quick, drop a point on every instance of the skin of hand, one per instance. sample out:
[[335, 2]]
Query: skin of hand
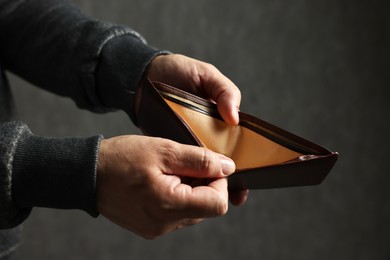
[[205, 80], [152, 186], [199, 78]]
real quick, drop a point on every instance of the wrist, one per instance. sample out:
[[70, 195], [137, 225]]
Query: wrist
[[56, 173], [122, 64]]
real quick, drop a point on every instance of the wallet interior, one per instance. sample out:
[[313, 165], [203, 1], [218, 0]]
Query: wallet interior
[[246, 147]]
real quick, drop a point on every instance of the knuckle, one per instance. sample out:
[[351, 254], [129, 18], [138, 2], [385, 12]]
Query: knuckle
[[210, 66], [222, 209], [204, 69], [209, 70], [168, 144], [169, 152], [206, 164]]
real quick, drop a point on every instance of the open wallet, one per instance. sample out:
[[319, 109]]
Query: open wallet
[[265, 155]]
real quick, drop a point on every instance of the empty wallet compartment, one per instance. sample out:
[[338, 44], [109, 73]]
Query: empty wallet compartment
[[266, 156]]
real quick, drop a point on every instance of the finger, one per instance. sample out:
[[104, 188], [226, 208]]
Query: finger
[[228, 108], [223, 91], [238, 198], [202, 201], [196, 162]]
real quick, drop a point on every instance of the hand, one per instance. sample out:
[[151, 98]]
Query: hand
[[204, 80], [199, 78], [152, 186]]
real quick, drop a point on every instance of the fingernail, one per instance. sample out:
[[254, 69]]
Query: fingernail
[[228, 166], [236, 115]]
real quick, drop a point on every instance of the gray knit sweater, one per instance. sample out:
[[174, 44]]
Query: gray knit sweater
[[99, 65]]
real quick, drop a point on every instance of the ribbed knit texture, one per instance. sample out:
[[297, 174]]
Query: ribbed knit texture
[[45, 172], [55, 173]]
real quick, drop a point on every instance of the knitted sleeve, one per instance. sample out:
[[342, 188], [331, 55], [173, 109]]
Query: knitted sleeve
[[55, 46], [44, 172]]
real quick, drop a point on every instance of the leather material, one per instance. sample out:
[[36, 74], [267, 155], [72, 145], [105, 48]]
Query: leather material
[[266, 156]]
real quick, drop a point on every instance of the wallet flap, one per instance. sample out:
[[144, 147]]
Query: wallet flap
[[156, 118]]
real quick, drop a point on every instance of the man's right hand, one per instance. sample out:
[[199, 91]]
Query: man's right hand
[[152, 186]]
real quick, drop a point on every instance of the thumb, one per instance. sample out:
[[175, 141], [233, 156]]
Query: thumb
[[228, 108], [198, 162]]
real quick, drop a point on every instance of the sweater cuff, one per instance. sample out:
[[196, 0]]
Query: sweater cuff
[[56, 173], [123, 61]]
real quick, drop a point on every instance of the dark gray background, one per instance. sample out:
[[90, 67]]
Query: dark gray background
[[317, 68]]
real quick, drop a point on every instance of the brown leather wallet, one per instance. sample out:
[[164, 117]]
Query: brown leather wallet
[[266, 156]]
